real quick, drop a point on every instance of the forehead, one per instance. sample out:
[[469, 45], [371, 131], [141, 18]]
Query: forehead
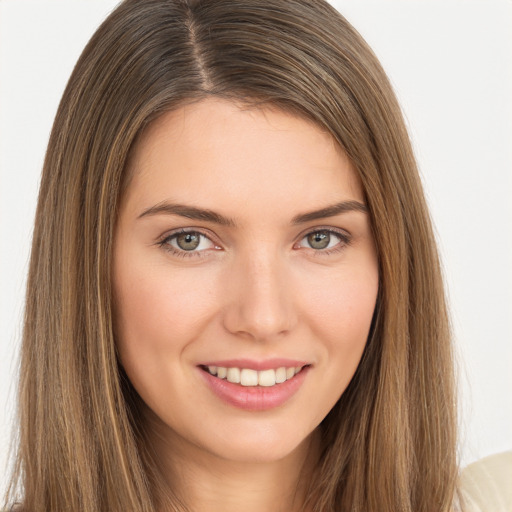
[[217, 151]]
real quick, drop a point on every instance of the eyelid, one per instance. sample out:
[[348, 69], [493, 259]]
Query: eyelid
[[345, 237], [343, 233], [162, 241], [192, 229]]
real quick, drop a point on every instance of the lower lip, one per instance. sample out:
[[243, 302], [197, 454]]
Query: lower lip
[[255, 398]]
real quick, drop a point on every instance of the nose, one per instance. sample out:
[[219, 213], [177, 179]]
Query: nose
[[260, 299]]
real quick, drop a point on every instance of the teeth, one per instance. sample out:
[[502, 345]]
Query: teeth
[[280, 375], [267, 378], [248, 377], [233, 375]]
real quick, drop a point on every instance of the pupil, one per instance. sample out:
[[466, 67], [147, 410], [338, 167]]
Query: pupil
[[188, 241], [319, 240]]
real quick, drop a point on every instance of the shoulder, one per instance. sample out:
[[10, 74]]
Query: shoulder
[[486, 485]]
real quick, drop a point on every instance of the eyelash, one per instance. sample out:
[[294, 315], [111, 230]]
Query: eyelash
[[345, 240], [165, 245]]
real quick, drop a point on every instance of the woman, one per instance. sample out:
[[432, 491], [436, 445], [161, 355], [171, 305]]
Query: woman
[[229, 195]]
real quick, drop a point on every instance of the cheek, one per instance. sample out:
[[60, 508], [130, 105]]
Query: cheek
[[158, 311], [347, 298], [341, 314]]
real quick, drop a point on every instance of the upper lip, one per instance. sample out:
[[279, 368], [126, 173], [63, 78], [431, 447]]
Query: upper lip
[[267, 364]]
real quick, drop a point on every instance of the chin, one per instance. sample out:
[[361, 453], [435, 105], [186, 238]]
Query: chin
[[262, 444]]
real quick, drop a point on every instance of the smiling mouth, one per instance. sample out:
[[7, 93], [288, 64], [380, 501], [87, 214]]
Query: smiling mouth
[[250, 378]]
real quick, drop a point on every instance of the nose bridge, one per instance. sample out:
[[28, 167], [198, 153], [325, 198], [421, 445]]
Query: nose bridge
[[260, 302]]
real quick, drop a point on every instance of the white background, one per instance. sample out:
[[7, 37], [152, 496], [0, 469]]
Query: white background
[[451, 64]]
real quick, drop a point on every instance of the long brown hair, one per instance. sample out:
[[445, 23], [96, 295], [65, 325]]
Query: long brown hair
[[389, 443]]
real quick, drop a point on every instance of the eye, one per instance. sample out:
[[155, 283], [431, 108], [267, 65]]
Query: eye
[[187, 243], [324, 240]]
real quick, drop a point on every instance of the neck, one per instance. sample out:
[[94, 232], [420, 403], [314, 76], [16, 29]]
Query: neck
[[205, 482], [227, 486]]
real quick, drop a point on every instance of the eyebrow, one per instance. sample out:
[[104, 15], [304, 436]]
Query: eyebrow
[[331, 211], [192, 212]]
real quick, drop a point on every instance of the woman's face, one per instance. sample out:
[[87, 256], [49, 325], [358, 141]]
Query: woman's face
[[244, 253]]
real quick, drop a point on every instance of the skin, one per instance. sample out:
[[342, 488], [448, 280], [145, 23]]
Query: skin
[[256, 290]]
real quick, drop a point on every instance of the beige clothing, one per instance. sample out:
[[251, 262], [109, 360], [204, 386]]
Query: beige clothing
[[486, 485]]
